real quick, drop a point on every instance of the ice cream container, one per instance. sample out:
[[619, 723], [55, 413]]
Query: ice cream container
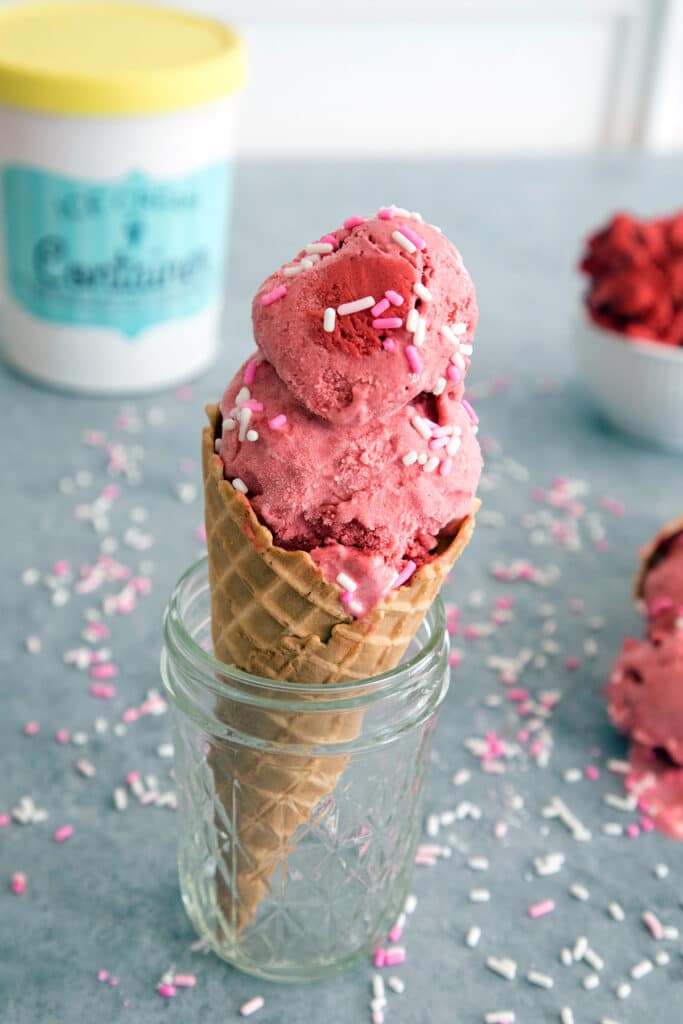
[[116, 147], [637, 384]]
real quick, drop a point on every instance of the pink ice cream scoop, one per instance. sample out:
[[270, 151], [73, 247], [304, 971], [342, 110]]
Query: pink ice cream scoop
[[348, 429]]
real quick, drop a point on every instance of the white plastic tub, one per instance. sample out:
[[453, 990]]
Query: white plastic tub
[[116, 146]]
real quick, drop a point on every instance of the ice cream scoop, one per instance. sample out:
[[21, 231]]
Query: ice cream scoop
[[348, 430]]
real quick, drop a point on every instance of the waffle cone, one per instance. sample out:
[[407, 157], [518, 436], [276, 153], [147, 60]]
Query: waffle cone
[[651, 553], [274, 615]]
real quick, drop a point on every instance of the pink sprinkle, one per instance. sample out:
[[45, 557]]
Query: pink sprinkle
[[353, 222], [394, 956], [518, 694], [661, 605], [278, 422], [446, 466], [102, 975], [99, 630], [62, 736], [61, 568], [141, 584], [200, 533], [601, 546], [19, 882], [471, 632], [394, 298], [167, 991], [389, 345], [646, 824], [4, 820], [132, 777], [330, 239], [106, 671], [387, 323], [541, 909], [404, 574], [386, 213], [572, 664], [184, 981], [252, 404], [380, 307], [396, 933], [130, 715], [413, 358], [523, 735], [105, 691], [592, 772], [113, 980], [268, 299], [632, 831], [63, 833], [453, 373], [455, 658], [500, 830], [378, 957], [32, 728], [504, 602], [417, 240], [250, 372], [470, 411], [110, 492]]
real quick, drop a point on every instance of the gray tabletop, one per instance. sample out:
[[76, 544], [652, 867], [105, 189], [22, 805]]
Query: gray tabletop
[[107, 899]]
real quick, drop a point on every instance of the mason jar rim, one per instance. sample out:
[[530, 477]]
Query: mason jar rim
[[216, 672]]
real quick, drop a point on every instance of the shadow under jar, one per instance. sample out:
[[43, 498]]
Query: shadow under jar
[[274, 895]]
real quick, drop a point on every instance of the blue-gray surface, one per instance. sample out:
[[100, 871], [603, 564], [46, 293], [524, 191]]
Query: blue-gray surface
[[108, 897]]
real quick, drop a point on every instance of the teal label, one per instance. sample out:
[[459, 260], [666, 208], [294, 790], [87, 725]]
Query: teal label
[[124, 255]]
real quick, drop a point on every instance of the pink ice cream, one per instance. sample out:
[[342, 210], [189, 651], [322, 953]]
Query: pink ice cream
[[347, 429], [645, 691]]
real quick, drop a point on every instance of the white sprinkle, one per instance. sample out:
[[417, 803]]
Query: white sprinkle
[[34, 644], [244, 416], [459, 328], [639, 970], [187, 492], [422, 458], [29, 577], [478, 863], [165, 750], [504, 967], [615, 911], [566, 1015], [439, 387], [593, 959], [539, 979], [420, 331], [292, 271], [79, 739], [566, 957], [404, 242], [573, 775], [252, 435], [662, 958], [396, 985], [239, 485], [447, 818], [579, 892], [410, 904], [410, 458], [321, 248], [580, 947], [465, 350], [461, 777], [101, 726], [500, 1017], [621, 803], [618, 766], [431, 464], [608, 1020], [346, 583], [432, 826], [86, 768], [661, 871], [378, 1004], [472, 937], [308, 262], [612, 828], [423, 429], [329, 319], [411, 321], [357, 306], [623, 990], [453, 445], [422, 292], [669, 932], [120, 798], [243, 395], [252, 1006], [60, 598], [558, 809], [549, 864], [229, 423], [590, 982], [378, 986]]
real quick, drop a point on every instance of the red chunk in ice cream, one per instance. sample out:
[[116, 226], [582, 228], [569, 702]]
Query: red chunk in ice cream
[[347, 430]]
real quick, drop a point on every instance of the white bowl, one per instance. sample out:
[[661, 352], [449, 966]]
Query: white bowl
[[637, 384]]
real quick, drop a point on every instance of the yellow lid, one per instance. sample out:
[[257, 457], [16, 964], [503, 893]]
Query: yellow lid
[[114, 58]]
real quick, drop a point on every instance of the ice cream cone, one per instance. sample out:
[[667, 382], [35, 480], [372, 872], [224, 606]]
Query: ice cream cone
[[651, 553], [274, 615]]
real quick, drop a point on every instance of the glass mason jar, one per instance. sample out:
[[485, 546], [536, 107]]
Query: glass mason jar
[[298, 805]]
